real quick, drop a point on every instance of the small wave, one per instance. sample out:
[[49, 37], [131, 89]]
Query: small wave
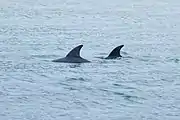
[[175, 60], [131, 98], [44, 56], [123, 86], [126, 96], [78, 79]]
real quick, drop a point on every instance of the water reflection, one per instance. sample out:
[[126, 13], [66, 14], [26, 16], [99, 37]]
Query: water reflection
[[76, 65]]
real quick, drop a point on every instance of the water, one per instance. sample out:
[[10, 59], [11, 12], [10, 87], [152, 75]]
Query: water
[[142, 85]]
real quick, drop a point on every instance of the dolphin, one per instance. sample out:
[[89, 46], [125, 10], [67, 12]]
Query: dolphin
[[73, 56], [115, 53]]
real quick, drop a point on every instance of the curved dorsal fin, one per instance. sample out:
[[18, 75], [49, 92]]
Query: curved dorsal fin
[[115, 52], [75, 52]]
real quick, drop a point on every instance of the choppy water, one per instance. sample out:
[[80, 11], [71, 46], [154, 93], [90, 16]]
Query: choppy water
[[143, 85]]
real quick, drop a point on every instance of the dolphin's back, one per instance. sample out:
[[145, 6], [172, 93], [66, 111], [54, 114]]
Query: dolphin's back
[[73, 56]]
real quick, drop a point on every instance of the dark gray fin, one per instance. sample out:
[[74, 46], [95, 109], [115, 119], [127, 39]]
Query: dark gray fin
[[115, 53], [75, 52]]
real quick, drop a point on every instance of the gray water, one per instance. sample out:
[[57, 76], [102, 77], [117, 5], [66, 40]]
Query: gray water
[[143, 85]]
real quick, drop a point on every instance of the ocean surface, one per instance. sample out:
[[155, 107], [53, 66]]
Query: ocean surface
[[143, 85]]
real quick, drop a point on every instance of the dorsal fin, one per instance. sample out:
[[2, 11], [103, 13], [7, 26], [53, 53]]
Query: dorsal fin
[[75, 52], [115, 52]]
